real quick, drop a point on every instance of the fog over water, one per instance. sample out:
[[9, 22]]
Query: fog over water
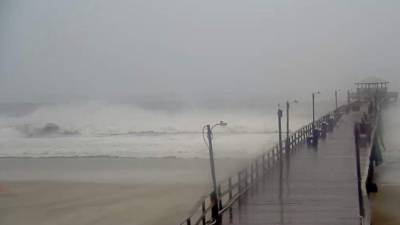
[[97, 73], [102, 103], [126, 130]]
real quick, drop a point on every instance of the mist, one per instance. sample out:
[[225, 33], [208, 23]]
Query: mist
[[103, 104], [190, 52]]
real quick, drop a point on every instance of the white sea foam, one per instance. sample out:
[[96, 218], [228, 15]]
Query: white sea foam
[[124, 130]]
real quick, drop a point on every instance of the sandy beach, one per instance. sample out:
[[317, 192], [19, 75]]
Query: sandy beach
[[84, 191], [386, 202], [386, 205], [91, 203]]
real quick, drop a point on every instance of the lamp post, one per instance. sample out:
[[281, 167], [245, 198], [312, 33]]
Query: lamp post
[[336, 98], [348, 97], [313, 109], [209, 144], [280, 114], [287, 124]]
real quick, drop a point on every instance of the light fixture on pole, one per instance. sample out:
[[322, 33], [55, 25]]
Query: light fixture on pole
[[336, 98]]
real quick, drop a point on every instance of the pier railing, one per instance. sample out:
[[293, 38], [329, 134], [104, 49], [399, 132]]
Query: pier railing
[[367, 162], [230, 190]]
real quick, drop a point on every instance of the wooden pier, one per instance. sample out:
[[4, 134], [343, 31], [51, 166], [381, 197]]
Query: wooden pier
[[307, 181], [312, 186], [302, 184]]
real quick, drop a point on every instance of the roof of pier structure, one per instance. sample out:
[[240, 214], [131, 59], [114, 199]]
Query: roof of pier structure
[[372, 80]]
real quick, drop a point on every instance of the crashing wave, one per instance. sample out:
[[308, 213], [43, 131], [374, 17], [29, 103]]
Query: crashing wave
[[48, 130]]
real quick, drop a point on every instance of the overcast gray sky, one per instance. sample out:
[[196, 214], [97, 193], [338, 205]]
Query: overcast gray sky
[[96, 49]]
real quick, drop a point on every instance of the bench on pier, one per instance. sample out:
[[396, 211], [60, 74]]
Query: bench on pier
[[323, 130], [365, 133], [331, 124], [313, 138]]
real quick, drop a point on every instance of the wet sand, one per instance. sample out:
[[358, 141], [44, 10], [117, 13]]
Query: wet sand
[[60, 191], [90, 203], [386, 202], [386, 205]]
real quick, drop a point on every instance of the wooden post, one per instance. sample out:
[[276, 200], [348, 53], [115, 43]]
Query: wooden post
[[302, 134], [256, 169], [230, 187], [239, 183], [273, 156], [299, 134], [291, 141], [246, 179], [358, 164], [239, 186], [219, 198], [348, 97], [251, 173], [263, 164], [230, 198], [278, 156], [214, 208], [203, 210]]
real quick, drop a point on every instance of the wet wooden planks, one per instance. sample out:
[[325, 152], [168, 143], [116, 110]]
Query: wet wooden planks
[[313, 186]]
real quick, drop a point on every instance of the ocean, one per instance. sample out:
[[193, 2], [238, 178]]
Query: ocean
[[99, 129]]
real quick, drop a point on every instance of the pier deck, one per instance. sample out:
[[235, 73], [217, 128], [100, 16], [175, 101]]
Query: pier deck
[[312, 186]]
